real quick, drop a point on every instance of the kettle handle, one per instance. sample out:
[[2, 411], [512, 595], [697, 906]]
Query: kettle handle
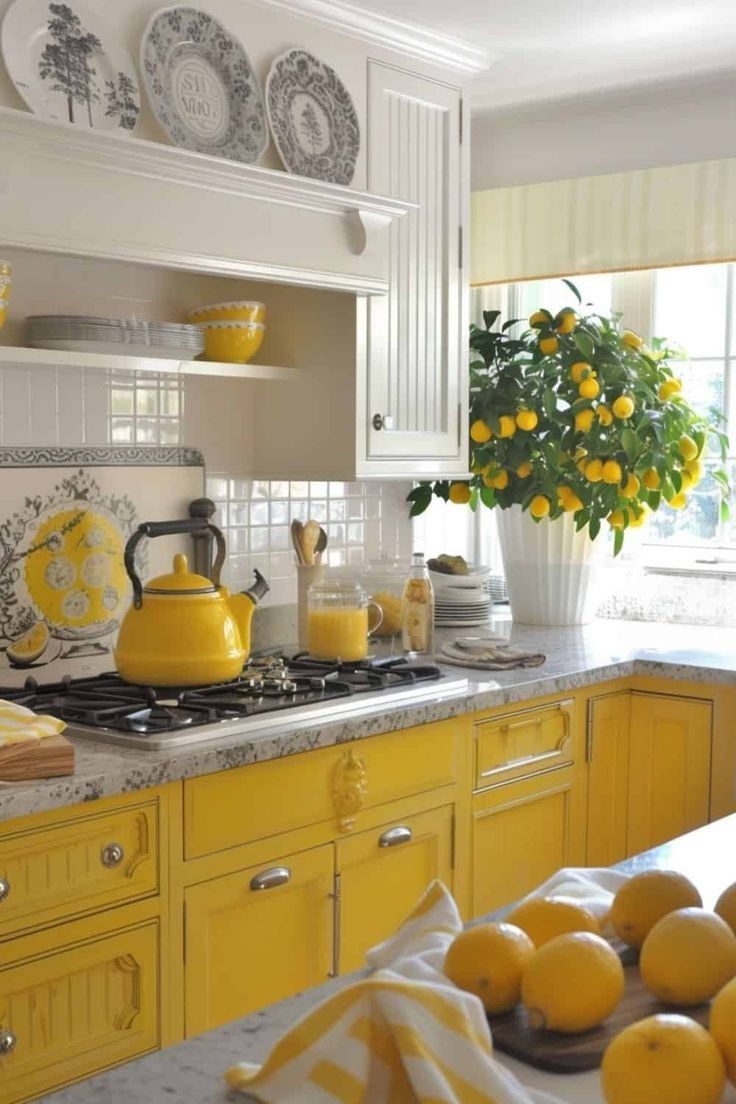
[[165, 529]]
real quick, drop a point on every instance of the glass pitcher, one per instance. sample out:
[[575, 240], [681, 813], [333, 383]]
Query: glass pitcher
[[337, 621]]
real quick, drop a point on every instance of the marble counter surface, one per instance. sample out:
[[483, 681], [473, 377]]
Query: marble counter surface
[[576, 657], [191, 1072]]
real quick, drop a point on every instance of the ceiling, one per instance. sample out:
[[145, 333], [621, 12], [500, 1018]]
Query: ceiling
[[550, 49]]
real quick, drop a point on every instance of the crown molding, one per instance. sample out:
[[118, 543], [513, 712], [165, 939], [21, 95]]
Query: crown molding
[[413, 39]]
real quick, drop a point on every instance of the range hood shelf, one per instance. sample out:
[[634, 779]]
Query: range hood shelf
[[13, 356]]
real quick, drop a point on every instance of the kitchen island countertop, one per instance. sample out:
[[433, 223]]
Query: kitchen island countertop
[[576, 658], [191, 1072]]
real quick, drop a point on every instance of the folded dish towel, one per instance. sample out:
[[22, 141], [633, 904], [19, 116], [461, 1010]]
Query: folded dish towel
[[488, 653], [405, 1034], [19, 725]]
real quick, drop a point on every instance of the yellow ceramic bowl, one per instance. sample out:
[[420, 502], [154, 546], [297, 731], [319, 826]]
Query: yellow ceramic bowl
[[3, 312], [232, 342], [236, 312]]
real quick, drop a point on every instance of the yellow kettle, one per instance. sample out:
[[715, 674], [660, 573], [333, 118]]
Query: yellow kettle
[[184, 629]]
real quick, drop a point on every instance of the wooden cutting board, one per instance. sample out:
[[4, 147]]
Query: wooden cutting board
[[556, 1053], [49, 758]]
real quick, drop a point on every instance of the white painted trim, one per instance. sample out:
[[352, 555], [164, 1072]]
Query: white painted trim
[[407, 38], [15, 357]]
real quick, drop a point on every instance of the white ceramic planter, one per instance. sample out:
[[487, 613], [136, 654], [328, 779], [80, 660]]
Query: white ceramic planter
[[549, 568]]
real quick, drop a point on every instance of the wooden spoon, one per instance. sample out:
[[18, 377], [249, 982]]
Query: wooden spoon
[[310, 537], [297, 536], [320, 546]]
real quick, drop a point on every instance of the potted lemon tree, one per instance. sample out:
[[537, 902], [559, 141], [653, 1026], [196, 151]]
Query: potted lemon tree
[[576, 429]]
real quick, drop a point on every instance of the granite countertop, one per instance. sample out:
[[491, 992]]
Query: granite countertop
[[576, 657], [192, 1072]]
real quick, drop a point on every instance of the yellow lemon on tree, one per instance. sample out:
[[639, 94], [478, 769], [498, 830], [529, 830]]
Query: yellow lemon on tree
[[688, 448], [723, 1026], [589, 388], [611, 472], [687, 480], [651, 479], [636, 520], [489, 960], [524, 470], [688, 956], [527, 419], [646, 898], [631, 487], [623, 407], [539, 506], [695, 469], [669, 388], [616, 519], [480, 432], [566, 321], [538, 318], [571, 504], [507, 425], [604, 415], [632, 339], [460, 493], [580, 370], [573, 983], [726, 908], [678, 501], [584, 421], [549, 345], [664, 1059], [499, 480], [594, 471], [544, 918]]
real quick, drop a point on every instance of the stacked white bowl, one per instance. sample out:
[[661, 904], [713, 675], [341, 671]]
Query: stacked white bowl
[[461, 600]]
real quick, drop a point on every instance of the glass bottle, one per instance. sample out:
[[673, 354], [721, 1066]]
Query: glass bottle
[[417, 609]]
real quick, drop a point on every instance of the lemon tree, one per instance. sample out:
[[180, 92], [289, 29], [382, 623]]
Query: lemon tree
[[572, 413]]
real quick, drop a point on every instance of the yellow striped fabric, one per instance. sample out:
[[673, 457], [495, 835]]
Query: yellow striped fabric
[[19, 725], [403, 1035]]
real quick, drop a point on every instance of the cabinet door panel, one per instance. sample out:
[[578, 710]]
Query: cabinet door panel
[[416, 334], [247, 947], [669, 768], [608, 778], [521, 835], [383, 873]]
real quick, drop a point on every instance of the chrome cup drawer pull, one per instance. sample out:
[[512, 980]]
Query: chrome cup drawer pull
[[7, 1041], [269, 879], [112, 855], [4, 889], [392, 837]]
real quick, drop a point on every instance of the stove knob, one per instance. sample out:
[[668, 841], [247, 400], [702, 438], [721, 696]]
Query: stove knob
[[4, 889], [112, 855]]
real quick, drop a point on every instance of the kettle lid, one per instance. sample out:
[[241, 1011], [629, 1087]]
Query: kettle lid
[[180, 581]]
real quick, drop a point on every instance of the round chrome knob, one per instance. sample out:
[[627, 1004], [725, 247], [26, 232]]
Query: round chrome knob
[[4, 889], [112, 854], [7, 1041], [382, 421]]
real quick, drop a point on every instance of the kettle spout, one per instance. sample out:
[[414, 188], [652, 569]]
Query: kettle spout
[[242, 607], [259, 589]]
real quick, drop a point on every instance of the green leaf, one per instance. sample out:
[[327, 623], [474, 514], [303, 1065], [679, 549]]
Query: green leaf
[[549, 402], [724, 510], [488, 497], [631, 443], [490, 318], [473, 503], [618, 541], [594, 528], [584, 345], [574, 290]]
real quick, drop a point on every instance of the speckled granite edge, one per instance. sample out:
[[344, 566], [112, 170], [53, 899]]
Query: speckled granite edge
[[575, 659]]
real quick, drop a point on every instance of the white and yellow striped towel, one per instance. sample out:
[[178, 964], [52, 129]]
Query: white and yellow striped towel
[[403, 1035], [19, 725]]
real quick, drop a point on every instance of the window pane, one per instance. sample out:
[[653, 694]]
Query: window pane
[[697, 523], [690, 308]]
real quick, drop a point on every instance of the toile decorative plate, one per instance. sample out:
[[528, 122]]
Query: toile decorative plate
[[313, 119], [68, 65], [202, 86]]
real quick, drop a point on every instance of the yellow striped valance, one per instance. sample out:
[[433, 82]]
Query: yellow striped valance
[[649, 218]]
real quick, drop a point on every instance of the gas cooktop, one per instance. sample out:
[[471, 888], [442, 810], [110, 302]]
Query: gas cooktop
[[271, 693]]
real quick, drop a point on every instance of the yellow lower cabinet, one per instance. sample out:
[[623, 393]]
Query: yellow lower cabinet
[[669, 768], [68, 1014], [256, 936], [609, 721], [521, 835], [383, 872]]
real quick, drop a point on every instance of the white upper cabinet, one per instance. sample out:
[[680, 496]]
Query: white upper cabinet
[[413, 398]]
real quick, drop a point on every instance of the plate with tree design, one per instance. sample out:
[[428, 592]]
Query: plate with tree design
[[202, 86], [68, 65], [313, 119]]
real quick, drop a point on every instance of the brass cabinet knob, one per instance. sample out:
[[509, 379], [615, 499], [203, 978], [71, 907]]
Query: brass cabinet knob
[[4, 889], [7, 1041], [112, 854]]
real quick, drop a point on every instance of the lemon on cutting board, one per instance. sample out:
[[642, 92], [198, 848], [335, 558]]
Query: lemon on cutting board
[[544, 918], [489, 960], [688, 956], [572, 984], [646, 898], [723, 1026], [664, 1059], [726, 906]]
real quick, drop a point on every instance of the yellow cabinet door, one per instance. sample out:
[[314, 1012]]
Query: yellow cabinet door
[[669, 768], [256, 936], [68, 1014], [607, 752], [383, 873], [521, 835]]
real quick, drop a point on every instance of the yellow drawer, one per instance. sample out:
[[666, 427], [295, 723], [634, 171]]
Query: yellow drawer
[[255, 802], [86, 863], [69, 1014], [522, 743]]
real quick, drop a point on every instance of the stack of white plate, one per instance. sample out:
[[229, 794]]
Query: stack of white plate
[[87, 334], [461, 600]]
